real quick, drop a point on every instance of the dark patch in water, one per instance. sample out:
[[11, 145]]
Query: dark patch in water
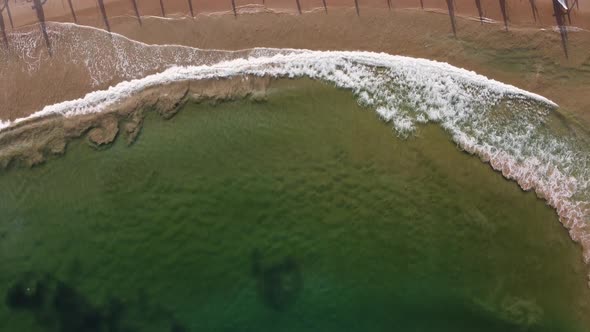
[[75, 313], [280, 283], [58, 306], [27, 294], [177, 327]]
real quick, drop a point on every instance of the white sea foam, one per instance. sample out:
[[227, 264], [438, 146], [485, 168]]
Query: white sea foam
[[503, 125], [4, 124]]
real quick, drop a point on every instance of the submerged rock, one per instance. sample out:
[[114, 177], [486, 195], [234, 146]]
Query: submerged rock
[[27, 294], [279, 283]]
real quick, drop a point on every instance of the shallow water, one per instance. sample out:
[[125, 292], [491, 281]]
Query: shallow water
[[304, 212]]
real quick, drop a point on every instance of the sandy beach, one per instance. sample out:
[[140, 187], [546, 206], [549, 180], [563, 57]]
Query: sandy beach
[[529, 55], [87, 12]]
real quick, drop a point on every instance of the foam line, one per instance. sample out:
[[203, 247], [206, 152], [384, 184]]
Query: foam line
[[314, 64]]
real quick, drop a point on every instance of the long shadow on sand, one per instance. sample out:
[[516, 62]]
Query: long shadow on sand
[[38, 6], [3, 30], [103, 12], [136, 10], [6, 7], [72, 11]]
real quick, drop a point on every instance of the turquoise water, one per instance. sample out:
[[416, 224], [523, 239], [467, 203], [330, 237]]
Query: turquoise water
[[300, 213]]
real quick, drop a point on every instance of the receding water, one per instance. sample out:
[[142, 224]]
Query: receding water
[[301, 213]]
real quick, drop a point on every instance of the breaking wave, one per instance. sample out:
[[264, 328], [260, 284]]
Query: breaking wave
[[515, 131]]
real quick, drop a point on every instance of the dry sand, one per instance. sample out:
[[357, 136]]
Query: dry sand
[[87, 11]]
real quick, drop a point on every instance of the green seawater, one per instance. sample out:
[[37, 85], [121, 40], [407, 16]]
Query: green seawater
[[301, 213]]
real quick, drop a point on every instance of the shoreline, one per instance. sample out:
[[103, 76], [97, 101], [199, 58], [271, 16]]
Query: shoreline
[[102, 59]]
